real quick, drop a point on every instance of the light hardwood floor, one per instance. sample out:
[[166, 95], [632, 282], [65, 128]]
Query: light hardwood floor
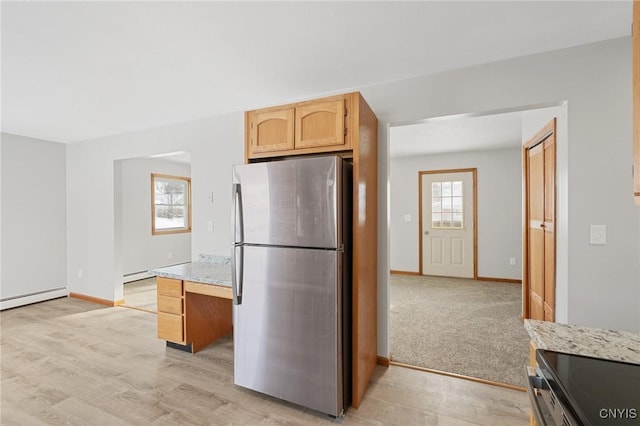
[[68, 361]]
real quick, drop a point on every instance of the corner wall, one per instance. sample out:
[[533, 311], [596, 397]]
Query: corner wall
[[33, 220]]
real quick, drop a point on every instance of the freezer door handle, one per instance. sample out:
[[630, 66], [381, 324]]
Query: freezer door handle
[[237, 270], [238, 222]]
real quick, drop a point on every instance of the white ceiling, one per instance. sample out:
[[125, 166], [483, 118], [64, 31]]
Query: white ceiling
[[74, 71], [457, 134]]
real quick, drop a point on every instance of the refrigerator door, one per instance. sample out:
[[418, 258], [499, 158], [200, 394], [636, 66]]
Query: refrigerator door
[[289, 203], [287, 330]]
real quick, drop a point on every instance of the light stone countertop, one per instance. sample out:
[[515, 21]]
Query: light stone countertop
[[208, 270], [593, 342]]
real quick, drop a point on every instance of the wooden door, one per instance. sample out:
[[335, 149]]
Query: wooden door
[[320, 123], [540, 238], [549, 305], [536, 232], [447, 223], [270, 130]]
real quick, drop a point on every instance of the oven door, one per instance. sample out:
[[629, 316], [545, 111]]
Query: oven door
[[548, 409], [536, 389]]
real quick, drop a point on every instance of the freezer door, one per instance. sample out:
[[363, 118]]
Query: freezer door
[[289, 203], [287, 339]]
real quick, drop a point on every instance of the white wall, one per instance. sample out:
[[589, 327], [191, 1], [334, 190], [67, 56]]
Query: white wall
[[602, 282], [33, 218], [499, 192], [140, 249], [215, 144]]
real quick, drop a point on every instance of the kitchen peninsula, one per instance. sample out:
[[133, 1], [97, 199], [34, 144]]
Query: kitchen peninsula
[[586, 341], [194, 302], [582, 375]]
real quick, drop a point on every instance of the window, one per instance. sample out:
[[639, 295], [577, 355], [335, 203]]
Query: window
[[170, 204], [446, 205]]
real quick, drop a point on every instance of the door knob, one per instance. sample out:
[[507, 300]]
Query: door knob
[[426, 232]]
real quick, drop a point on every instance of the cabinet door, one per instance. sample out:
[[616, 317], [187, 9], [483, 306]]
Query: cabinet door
[[320, 123], [270, 130], [170, 327]]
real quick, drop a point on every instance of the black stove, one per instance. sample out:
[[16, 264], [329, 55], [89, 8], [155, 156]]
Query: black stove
[[580, 390]]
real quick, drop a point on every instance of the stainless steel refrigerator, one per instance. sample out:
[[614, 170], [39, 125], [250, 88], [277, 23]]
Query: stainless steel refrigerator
[[292, 280]]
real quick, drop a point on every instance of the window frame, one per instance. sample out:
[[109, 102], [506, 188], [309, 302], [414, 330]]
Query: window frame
[[166, 231], [453, 211]]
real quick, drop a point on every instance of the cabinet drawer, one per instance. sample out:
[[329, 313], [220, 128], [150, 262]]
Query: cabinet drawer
[[170, 305], [170, 327], [169, 286]]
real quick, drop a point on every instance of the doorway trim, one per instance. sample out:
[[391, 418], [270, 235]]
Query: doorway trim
[[474, 174]]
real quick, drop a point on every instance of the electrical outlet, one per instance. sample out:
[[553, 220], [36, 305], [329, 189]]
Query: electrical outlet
[[407, 218], [598, 235], [210, 225], [170, 254], [512, 261], [79, 273]]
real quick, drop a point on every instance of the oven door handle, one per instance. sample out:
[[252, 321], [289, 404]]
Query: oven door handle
[[534, 385]]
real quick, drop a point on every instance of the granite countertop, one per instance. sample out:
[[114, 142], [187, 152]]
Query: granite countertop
[[207, 270], [594, 342]]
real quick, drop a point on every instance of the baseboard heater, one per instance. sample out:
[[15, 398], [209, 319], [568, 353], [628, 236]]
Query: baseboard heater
[[135, 276], [26, 299]]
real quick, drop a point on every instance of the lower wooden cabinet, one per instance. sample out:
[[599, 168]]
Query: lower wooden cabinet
[[171, 324], [171, 327], [192, 314]]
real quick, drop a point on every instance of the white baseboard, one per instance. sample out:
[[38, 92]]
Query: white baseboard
[[14, 302]]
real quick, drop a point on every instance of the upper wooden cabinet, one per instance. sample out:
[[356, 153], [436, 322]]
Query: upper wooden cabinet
[[319, 125], [270, 130], [636, 101]]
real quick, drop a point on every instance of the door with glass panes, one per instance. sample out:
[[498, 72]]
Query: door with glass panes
[[447, 223]]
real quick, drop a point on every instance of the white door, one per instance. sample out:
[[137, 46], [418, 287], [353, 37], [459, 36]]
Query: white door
[[448, 223]]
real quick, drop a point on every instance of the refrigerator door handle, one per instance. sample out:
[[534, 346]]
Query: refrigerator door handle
[[238, 221], [237, 271]]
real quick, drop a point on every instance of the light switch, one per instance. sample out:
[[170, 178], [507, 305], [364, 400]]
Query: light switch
[[598, 235], [210, 225], [407, 218]]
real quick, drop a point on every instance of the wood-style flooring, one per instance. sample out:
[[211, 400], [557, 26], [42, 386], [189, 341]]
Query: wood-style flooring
[[71, 362]]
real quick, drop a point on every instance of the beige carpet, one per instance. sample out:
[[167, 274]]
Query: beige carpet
[[459, 326]]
